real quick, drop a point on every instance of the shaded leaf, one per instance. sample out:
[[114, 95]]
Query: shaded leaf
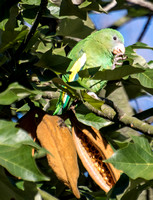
[[29, 12], [74, 28], [66, 87], [10, 39], [135, 189], [9, 191], [16, 153], [67, 8], [56, 63], [5, 5], [117, 73], [46, 196]]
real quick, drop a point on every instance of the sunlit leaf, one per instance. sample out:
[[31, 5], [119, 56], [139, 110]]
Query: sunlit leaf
[[86, 117], [140, 45], [136, 160], [145, 78], [13, 93]]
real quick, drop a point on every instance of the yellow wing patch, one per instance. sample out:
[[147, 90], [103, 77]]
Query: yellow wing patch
[[77, 66], [74, 70]]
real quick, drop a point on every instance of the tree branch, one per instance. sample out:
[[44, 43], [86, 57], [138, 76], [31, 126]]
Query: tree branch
[[115, 126], [114, 114], [144, 29], [110, 5], [145, 4]]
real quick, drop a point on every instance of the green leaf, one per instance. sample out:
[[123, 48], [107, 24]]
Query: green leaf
[[65, 87], [24, 108], [46, 196], [136, 188], [136, 160], [145, 78], [133, 11], [134, 59], [10, 135], [13, 93], [85, 4], [31, 2], [5, 6], [12, 39], [92, 101], [16, 152], [74, 28], [67, 8], [44, 47], [140, 45], [56, 63], [54, 11], [3, 23], [90, 5], [117, 73], [86, 117], [29, 12], [9, 191]]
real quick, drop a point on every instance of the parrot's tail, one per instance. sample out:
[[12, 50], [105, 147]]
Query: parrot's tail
[[62, 104]]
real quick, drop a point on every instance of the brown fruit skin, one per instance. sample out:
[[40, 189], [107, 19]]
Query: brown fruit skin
[[55, 136], [87, 156]]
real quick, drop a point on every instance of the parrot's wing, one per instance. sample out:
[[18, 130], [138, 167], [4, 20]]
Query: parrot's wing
[[64, 98]]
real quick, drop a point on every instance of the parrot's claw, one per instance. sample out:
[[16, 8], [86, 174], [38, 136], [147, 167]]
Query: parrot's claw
[[118, 57]]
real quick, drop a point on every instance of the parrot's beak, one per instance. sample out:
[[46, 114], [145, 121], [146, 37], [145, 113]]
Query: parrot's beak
[[119, 49]]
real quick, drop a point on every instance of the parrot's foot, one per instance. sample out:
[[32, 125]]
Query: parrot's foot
[[118, 57]]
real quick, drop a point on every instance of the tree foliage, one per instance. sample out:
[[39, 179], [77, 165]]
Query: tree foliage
[[35, 38]]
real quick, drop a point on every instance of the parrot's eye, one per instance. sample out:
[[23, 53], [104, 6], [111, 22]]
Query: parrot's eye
[[114, 38]]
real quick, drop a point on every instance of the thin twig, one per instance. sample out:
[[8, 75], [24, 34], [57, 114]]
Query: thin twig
[[23, 45], [110, 5], [145, 4], [144, 29]]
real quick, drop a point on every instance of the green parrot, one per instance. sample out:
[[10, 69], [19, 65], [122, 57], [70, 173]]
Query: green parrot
[[96, 50]]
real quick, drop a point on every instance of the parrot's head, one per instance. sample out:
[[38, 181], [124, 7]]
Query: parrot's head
[[112, 40]]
